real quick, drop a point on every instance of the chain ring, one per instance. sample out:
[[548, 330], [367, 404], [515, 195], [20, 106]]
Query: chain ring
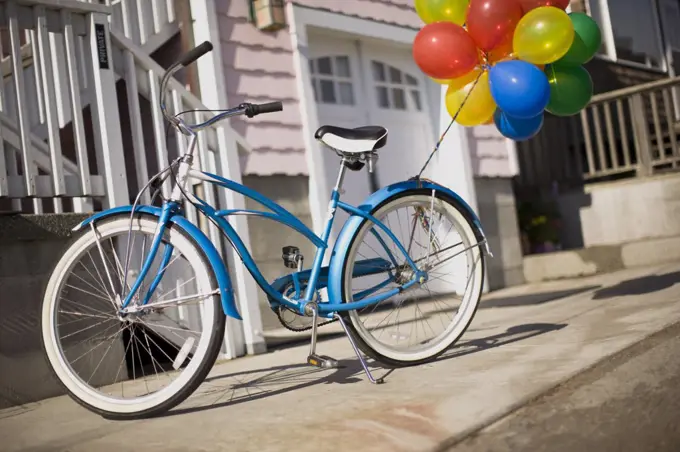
[[289, 325]]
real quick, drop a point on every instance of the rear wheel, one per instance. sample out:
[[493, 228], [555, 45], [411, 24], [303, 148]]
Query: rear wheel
[[422, 322], [144, 363]]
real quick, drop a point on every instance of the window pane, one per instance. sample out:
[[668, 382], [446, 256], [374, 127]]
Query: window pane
[[346, 93], [342, 66], [395, 75], [327, 92], [315, 87], [635, 31], [399, 98], [411, 80], [324, 66], [378, 71], [415, 96], [383, 100]]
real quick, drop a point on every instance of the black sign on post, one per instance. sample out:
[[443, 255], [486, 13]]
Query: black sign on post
[[102, 50]]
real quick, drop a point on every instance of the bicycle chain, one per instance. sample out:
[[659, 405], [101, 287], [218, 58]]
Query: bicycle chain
[[287, 326], [298, 330]]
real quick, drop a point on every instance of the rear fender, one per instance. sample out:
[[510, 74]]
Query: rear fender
[[214, 258], [352, 225]]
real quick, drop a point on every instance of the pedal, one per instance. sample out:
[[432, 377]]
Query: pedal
[[292, 258], [323, 362]]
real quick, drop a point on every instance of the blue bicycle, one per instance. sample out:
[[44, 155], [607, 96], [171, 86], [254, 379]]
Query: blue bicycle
[[133, 316]]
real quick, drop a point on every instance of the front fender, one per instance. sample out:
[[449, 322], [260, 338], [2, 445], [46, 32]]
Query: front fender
[[214, 258], [350, 228]]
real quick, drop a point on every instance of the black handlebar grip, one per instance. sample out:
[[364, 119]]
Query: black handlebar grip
[[258, 109], [195, 53]]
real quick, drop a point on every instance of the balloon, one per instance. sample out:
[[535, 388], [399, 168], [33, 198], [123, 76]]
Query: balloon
[[543, 36], [478, 107], [571, 88], [444, 50], [500, 52], [441, 81], [490, 22], [519, 88], [442, 10], [515, 128], [587, 40], [528, 5], [459, 82]]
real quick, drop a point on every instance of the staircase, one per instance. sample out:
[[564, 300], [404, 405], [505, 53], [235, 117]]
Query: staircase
[[81, 130], [80, 125]]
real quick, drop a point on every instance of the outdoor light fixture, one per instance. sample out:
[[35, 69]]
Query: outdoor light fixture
[[268, 15]]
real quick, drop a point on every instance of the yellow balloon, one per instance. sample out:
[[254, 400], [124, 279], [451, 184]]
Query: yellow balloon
[[442, 10], [478, 107], [543, 36], [460, 81], [441, 81]]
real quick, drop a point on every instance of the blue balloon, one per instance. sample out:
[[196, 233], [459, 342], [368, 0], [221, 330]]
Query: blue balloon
[[518, 129], [519, 88]]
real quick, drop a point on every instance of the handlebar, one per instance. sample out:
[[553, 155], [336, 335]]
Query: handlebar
[[195, 53], [247, 109]]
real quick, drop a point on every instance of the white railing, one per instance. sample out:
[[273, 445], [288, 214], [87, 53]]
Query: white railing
[[34, 167], [147, 23], [56, 78], [142, 80]]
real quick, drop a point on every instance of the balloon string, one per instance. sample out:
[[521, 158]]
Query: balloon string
[[441, 139]]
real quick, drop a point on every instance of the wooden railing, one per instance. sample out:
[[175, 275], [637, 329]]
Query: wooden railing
[[147, 23], [39, 166], [632, 132], [55, 92], [142, 79]]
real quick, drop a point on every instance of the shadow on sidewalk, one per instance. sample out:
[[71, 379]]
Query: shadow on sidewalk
[[639, 286], [230, 389], [534, 298]]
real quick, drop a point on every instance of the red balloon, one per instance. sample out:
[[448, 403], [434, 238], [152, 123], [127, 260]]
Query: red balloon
[[491, 22], [528, 5], [444, 50]]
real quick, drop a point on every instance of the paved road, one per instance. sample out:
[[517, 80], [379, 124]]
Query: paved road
[[524, 341], [630, 402]]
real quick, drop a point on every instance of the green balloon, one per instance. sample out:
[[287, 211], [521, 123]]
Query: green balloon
[[587, 40], [571, 88]]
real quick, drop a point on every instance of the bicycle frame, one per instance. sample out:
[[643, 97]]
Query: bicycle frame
[[282, 216]]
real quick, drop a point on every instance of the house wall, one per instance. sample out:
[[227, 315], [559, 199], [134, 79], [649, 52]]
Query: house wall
[[30, 247], [258, 67]]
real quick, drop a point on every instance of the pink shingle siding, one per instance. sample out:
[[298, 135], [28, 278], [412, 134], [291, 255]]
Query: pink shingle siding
[[258, 67]]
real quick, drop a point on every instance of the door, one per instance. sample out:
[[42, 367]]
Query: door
[[397, 99]]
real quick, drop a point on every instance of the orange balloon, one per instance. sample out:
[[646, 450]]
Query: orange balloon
[[500, 52]]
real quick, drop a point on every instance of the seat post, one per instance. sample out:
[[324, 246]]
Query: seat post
[[341, 176]]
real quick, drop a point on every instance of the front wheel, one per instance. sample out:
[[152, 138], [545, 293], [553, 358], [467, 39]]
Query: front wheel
[[128, 366], [423, 321]]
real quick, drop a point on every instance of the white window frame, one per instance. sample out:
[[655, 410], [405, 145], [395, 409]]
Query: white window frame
[[409, 103], [334, 78], [610, 45]]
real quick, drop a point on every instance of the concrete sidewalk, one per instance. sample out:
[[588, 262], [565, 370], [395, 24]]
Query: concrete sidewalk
[[522, 342]]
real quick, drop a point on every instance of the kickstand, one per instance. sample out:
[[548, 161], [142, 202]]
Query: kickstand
[[358, 353]]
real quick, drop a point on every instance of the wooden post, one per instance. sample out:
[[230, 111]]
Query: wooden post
[[105, 115], [249, 334]]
